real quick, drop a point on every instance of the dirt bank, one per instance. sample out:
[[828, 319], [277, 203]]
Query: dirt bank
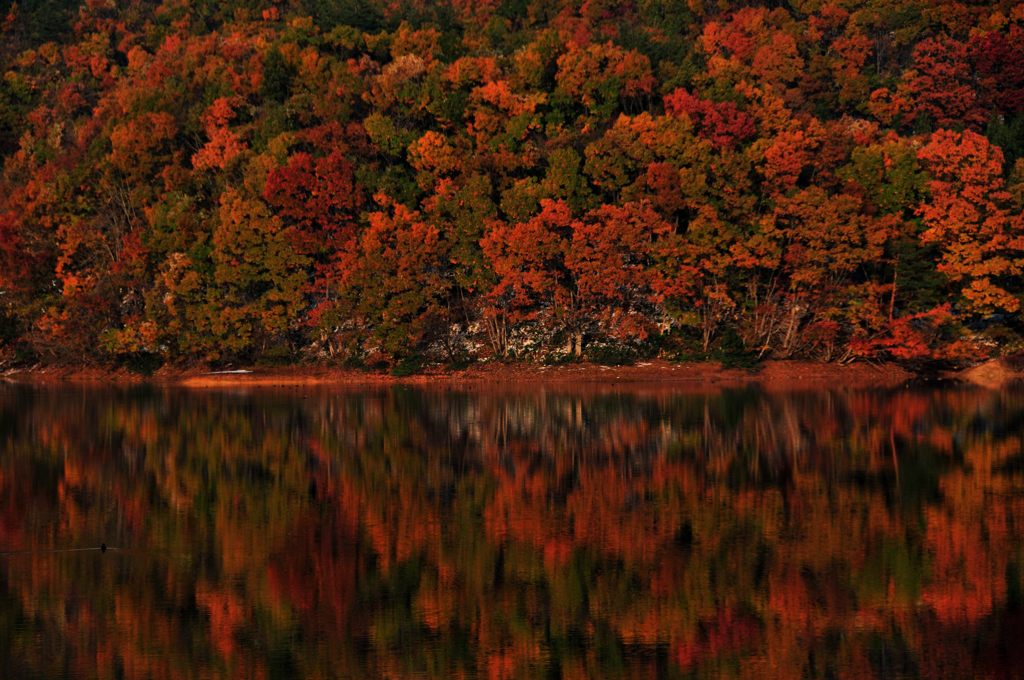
[[771, 375], [992, 374]]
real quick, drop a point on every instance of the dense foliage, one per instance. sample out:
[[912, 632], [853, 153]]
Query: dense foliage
[[382, 183]]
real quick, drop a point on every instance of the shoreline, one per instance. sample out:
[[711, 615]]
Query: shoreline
[[773, 374], [770, 375]]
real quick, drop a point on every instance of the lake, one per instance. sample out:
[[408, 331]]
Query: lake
[[537, 532]]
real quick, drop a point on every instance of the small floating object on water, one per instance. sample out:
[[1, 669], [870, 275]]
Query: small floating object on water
[[54, 551], [234, 372]]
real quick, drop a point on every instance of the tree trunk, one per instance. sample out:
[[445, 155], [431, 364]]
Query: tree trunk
[[497, 335], [892, 297]]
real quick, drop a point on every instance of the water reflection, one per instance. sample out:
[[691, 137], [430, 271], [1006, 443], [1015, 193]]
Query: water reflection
[[404, 533]]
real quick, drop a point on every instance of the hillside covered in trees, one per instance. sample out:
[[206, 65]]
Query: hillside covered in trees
[[388, 183]]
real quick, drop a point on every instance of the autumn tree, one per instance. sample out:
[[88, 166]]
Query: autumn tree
[[968, 215], [533, 283], [398, 290], [610, 258]]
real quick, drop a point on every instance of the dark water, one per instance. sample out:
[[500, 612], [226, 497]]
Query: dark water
[[540, 533]]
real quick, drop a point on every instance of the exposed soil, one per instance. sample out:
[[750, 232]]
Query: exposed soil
[[991, 374], [773, 375]]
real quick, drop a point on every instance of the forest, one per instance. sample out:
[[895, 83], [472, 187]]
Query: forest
[[410, 182]]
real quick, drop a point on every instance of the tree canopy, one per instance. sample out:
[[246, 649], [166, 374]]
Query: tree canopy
[[265, 180]]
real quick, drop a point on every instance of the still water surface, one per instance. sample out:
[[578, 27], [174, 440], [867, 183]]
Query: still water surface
[[400, 533]]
